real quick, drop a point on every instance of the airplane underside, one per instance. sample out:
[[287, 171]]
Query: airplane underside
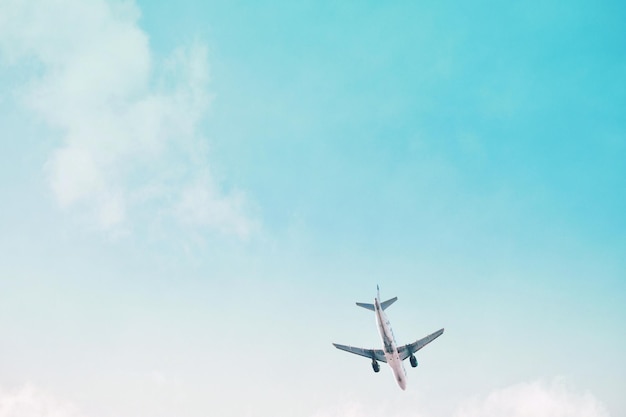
[[391, 354]]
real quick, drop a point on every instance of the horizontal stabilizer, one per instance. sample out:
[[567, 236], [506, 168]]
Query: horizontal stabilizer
[[387, 303], [366, 305]]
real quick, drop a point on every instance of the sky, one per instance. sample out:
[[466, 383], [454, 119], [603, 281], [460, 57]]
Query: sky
[[194, 195]]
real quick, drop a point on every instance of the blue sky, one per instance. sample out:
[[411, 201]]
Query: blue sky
[[194, 196]]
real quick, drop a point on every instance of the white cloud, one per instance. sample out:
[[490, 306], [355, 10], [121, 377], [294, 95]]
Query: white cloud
[[531, 399], [534, 399], [356, 409], [351, 409], [202, 204], [129, 126], [29, 401]]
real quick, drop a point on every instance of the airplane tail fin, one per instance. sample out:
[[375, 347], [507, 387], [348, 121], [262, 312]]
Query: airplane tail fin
[[383, 305]]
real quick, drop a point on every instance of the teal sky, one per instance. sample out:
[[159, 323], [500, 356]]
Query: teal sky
[[193, 196]]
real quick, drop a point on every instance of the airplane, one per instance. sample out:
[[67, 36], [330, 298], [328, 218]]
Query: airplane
[[390, 354]]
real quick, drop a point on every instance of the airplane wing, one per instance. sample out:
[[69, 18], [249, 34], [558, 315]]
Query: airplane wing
[[377, 354], [407, 350]]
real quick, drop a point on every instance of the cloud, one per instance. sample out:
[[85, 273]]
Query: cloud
[[202, 204], [128, 125], [531, 399], [356, 409], [351, 409], [534, 399], [29, 401]]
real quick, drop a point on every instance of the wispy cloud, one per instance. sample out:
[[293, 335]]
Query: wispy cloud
[[30, 401], [351, 409], [129, 126], [534, 399], [356, 409]]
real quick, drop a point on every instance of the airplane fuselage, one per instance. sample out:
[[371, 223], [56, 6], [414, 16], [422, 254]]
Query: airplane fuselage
[[390, 353], [389, 345]]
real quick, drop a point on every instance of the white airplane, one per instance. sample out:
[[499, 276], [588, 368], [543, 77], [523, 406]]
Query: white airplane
[[390, 353]]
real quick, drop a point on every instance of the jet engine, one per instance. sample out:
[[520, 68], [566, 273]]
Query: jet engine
[[375, 366], [413, 361]]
